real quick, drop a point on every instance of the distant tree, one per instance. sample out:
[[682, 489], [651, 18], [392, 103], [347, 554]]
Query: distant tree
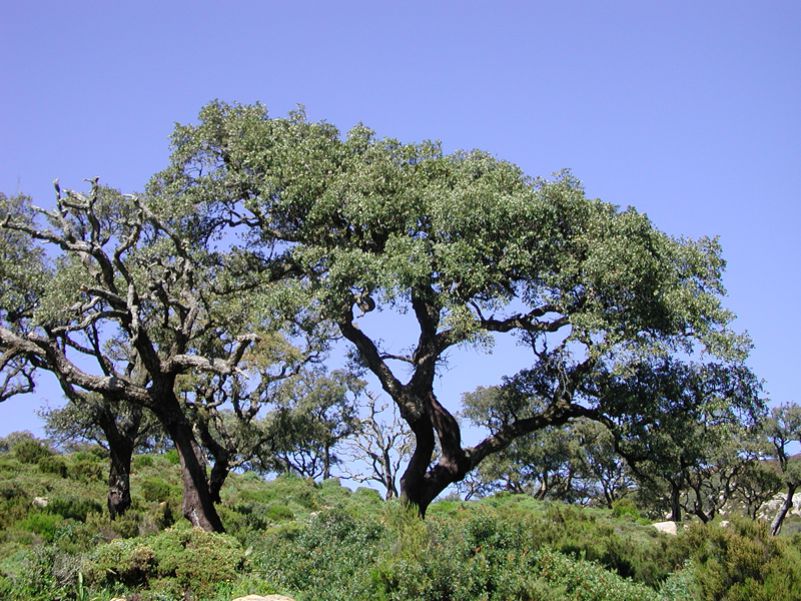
[[381, 443], [575, 462], [312, 414], [607, 477], [757, 484], [784, 430], [681, 428], [544, 464], [468, 246], [234, 414]]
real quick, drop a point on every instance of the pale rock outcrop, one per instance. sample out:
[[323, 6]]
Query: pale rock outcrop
[[666, 527]]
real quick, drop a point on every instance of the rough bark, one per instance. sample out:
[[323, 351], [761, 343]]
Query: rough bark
[[121, 439], [198, 501], [675, 502], [119, 482], [785, 508]]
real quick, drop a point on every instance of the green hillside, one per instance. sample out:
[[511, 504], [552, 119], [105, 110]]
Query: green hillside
[[321, 542]]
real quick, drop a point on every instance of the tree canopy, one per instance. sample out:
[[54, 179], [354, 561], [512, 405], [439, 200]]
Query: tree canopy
[[471, 247]]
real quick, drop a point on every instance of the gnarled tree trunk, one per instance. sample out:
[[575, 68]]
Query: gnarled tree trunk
[[119, 478], [121, 438], [198, 502]]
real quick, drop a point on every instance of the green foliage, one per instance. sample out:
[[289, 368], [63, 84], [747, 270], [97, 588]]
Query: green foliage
[[52, 464], [172, 457], [157, 489], [192, 560], [626, 508], [342, 545], [327, 557], [580, 580], [278, 513], [43, 524], [73, 507], [31, 450], [87, 470], [142, 461], [743, 563], [45, 574]]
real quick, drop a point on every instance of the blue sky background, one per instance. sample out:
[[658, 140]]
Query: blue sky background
[[689, 111]]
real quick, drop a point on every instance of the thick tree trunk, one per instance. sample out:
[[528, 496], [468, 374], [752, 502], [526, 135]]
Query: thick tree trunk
[[420, 483], [198, 505], [412, 483], [786, 506], [675, 505], [119, 481], [121, 439], [198, 502]]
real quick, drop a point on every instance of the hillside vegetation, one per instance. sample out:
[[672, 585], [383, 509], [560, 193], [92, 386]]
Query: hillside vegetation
[[323, 541]]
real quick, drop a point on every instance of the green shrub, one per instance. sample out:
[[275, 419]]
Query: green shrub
[[30, 450], [43, 524], [326, 557], [172, 457], [127, 561], [680, 585], [743, 562], [278, 513], [73, 507], [586, 581], [52, 464], [185, 559], [141, 461], [124, 526], [626, 507], [46, 574], [86, 470], [157, 489], [11, 490]]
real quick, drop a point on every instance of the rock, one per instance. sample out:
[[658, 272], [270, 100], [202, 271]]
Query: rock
[[666, 527], [261, 598], [40, 502]]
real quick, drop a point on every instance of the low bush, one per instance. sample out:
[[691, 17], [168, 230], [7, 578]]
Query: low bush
[[185, 559], [142, 461], [43, 524], [45, 574], [73, 507], [157, 489], [743, 562], [53, 464], [86, 470], [30, 450], [580, 580]]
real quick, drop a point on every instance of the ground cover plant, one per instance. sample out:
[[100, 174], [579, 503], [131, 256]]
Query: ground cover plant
[[325, 541]]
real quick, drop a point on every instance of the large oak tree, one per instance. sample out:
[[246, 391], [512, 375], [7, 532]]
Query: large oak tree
[[471, 248]]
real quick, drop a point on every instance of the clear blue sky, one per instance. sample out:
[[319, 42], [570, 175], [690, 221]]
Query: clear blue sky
[[690, 111]]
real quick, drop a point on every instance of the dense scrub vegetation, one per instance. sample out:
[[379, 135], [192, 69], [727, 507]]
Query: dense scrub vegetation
[[322, 541]]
